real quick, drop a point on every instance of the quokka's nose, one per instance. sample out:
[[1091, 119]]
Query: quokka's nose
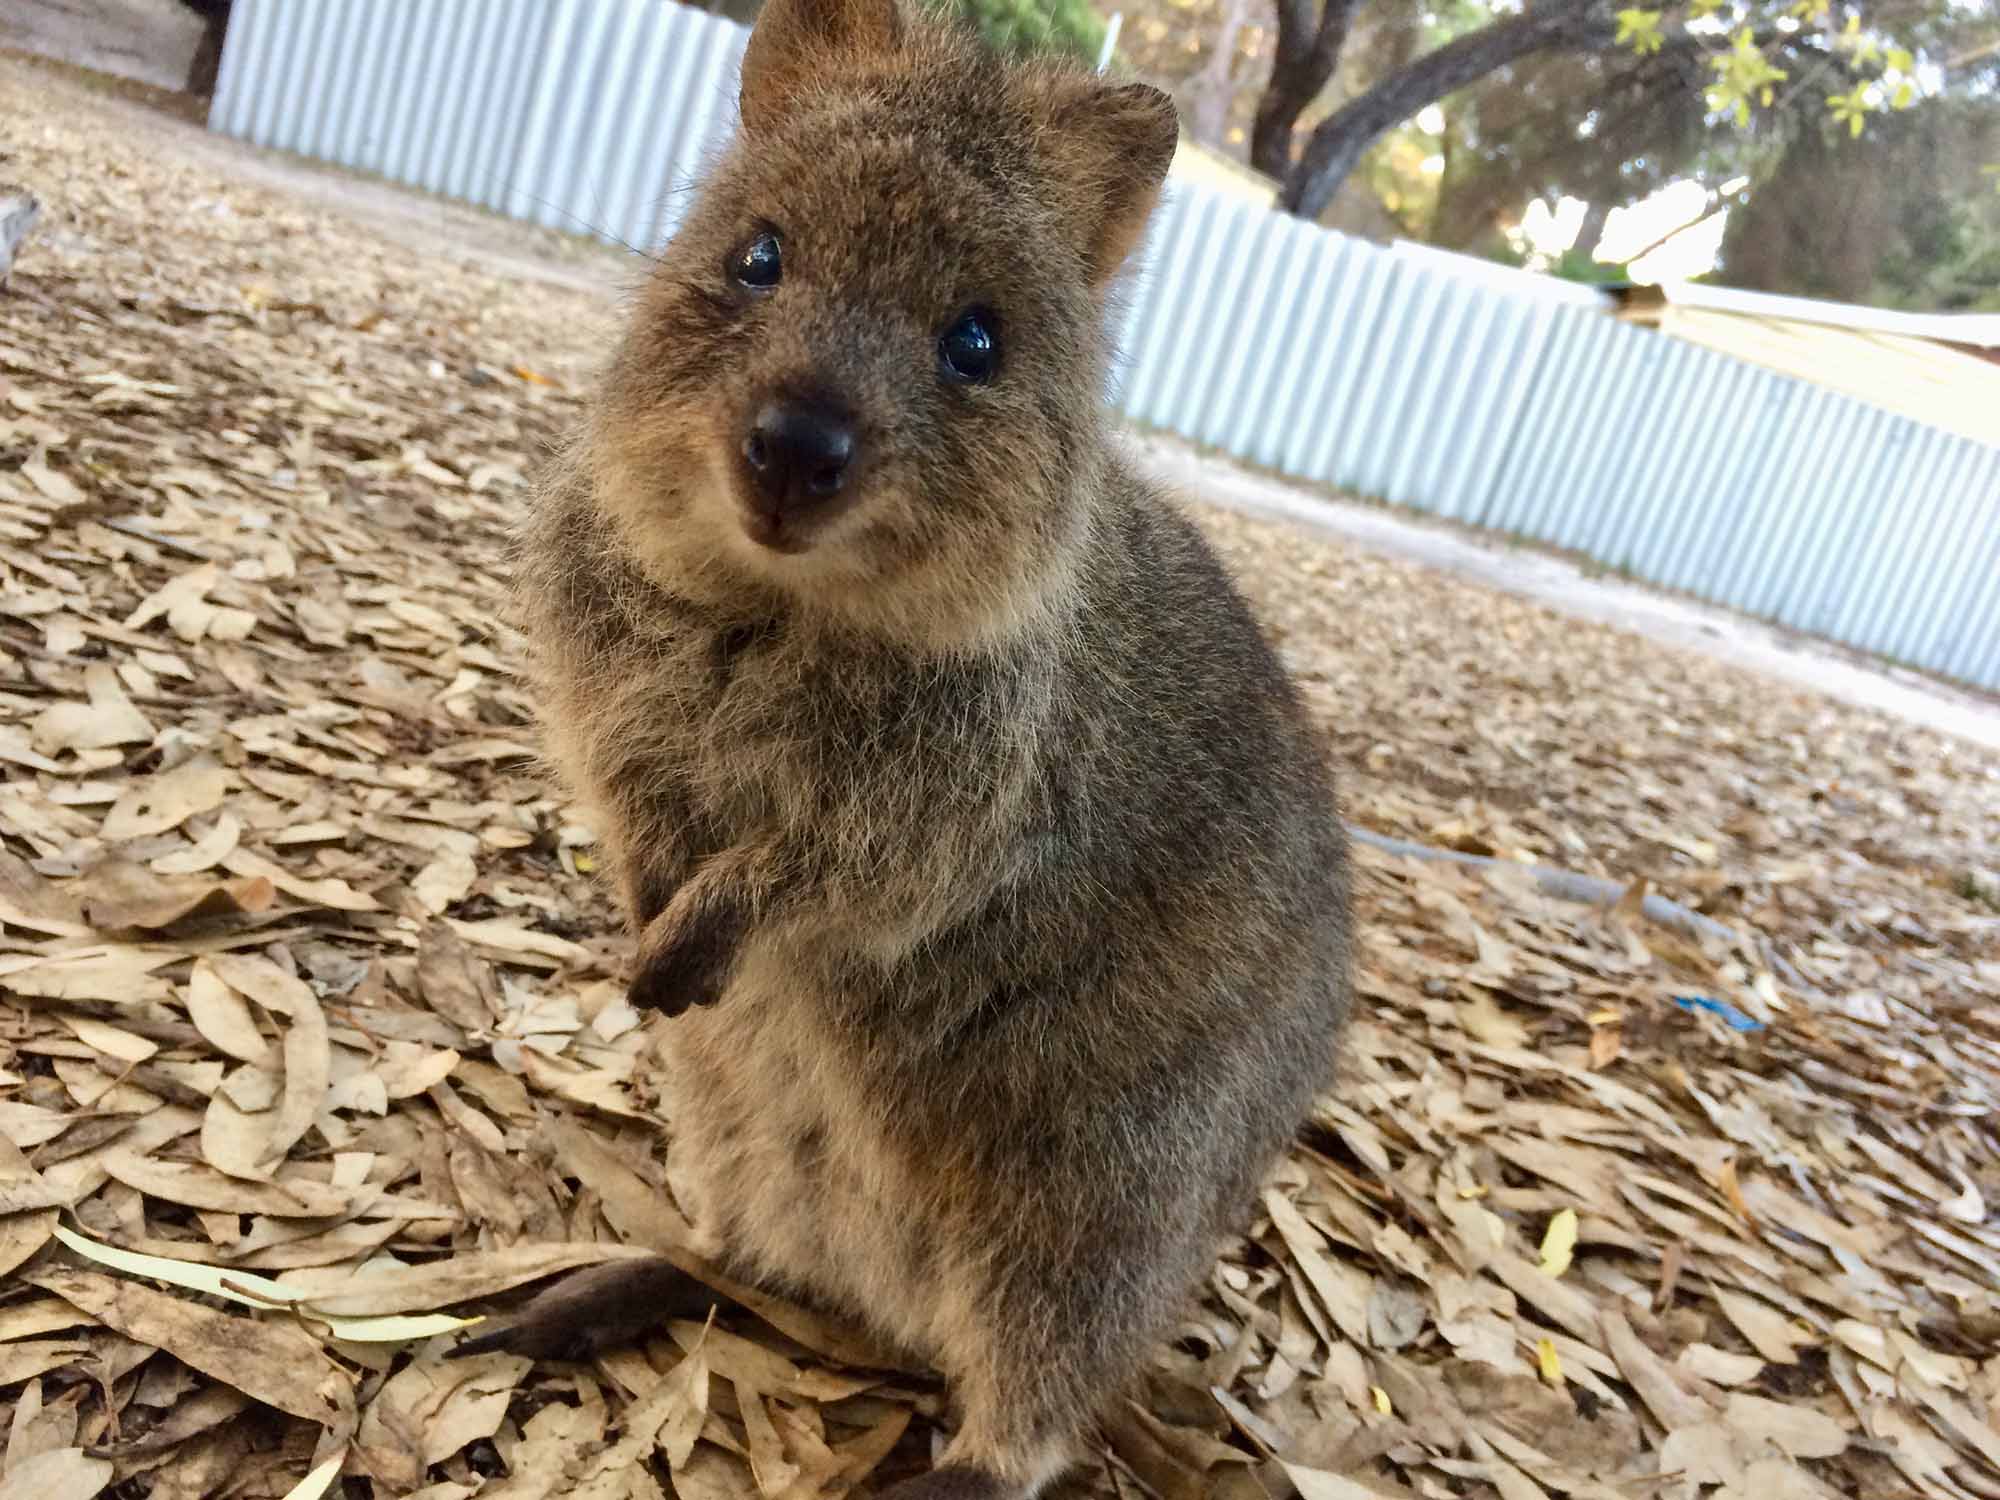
[[799, 455]]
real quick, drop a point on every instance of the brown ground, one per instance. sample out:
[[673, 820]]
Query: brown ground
[[300, 971]]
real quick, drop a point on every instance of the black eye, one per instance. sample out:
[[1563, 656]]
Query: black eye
[[758, 265], [970, 348]]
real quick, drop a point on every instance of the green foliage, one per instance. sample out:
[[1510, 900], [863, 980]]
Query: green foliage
[[1578, 264], [1899, 218], [1743, 73], [1019, 28], [1574, 264], [1024, 27], [1881, 74], [1640, 30]]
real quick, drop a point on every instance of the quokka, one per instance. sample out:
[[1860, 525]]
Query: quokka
[[970, 832]]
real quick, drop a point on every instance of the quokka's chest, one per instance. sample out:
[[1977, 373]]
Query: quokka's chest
[[784, 1160]]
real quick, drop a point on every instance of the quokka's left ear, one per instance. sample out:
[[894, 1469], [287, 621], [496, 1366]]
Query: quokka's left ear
[[1109, 146], [794, 39]]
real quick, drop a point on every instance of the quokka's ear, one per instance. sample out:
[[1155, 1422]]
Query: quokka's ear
[[794, 38], [1110, 147]]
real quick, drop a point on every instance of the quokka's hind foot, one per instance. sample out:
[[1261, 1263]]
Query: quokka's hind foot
[[599, 1308], [1001, 1452]]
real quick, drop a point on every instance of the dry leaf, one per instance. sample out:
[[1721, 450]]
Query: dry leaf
[[1671, 1403], [1486, 1022], [128, 900], [444, 881], [1768, 1332], [203, 1187], [27, 1358], [28, 1209], [330, 892], [1797, 1430], [223, 1017], [206, 852], [432, 1408], [463, 1278], [1317, 1484], [152, 805], [63, 1474], [109, 718], [268, 1360]]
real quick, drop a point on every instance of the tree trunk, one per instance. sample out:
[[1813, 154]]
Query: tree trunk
[[206, 64], [1336, 146], [1213, 89], [1594, 216], [1308, 51]]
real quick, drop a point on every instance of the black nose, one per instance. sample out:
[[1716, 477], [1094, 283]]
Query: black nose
[[799, 455]]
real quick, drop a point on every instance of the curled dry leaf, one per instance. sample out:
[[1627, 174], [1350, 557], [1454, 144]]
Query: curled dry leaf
[[308, 1074], [215, 844], [236, 1140], [432, 1408], [223, 1016], [407, 1070], [129, 900]]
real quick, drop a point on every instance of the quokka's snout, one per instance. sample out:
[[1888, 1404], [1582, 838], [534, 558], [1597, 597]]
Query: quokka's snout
[[801, 459]]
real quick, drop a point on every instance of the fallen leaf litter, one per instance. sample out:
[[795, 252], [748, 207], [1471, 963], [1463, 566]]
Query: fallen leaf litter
[[304, 983]]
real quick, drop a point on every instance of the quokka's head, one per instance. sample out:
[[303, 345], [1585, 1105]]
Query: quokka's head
[[865, 376]]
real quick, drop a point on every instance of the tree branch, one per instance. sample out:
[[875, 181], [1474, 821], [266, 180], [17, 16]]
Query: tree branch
[[1337, 144]]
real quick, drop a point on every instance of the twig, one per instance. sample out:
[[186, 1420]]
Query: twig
[[132, 527], [1563, 885]]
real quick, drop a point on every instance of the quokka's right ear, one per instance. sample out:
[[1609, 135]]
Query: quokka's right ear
[[793, 39], [1111, 146]]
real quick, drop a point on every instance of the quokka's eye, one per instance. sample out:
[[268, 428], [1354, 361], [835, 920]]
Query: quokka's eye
[[969, 350], [759, 264]]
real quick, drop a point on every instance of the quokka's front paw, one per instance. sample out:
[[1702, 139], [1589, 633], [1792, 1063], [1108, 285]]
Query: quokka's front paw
[[686, 953]]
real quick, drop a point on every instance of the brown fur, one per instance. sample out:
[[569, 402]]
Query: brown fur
[[980, 838]]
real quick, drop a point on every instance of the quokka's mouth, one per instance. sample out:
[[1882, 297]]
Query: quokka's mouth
[[776, 533]]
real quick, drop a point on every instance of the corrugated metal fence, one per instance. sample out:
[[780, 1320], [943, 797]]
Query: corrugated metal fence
[[1317, 355], [588, 115]]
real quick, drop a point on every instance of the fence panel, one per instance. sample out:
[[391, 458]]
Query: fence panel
[[1416, 380], [584, 115]]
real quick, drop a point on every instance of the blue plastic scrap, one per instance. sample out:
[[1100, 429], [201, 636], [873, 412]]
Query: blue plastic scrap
[[1731, 1016]]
